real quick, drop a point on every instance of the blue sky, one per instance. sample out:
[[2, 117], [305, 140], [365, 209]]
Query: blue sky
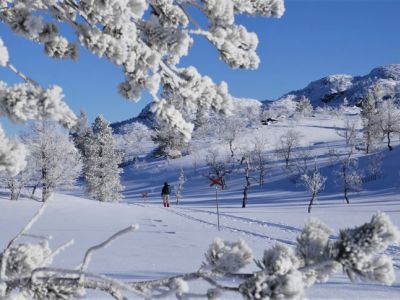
[[313, 39]]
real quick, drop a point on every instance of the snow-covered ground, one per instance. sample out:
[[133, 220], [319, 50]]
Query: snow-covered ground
[[173, 240]]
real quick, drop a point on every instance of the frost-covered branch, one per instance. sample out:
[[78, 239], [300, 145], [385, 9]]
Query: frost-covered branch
[[89, 252]]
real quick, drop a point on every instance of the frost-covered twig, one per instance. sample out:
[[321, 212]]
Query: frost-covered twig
[[89, 252], [4, 257]]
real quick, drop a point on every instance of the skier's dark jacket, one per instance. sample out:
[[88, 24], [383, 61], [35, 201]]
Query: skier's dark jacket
[[165, 190]]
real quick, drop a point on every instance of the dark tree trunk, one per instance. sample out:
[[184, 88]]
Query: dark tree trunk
[[311, 202], [33, 191], [231, 149], [388, 142], [345, 196], [245, 191]]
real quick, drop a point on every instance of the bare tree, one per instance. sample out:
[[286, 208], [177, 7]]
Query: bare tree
[[220, 165], [287, 143], [314, 182]]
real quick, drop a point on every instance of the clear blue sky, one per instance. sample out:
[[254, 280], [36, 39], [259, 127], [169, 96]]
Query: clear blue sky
[[313, 39]]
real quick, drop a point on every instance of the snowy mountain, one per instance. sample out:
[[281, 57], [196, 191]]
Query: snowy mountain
[[334, 89]]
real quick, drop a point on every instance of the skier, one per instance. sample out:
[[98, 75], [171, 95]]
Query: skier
[[165, 194]]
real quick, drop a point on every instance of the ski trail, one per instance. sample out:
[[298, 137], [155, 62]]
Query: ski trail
[[283, 227], [230, 228]]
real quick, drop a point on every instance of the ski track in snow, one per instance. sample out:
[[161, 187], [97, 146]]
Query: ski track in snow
[[393, 251], [230, 228], [283, 227]]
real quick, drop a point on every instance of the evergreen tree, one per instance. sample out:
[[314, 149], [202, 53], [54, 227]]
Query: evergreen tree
[[101, 169]]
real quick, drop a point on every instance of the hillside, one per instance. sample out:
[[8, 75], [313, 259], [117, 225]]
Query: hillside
[[334, 89]]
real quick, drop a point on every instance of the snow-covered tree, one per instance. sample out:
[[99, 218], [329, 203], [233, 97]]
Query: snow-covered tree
[[179, 185], [101, 164], [260, 158], [80, 131], [304, 106], [348, 133], [247, 163], [374, 167], [389, 119], [55, 159], [146, 39], [287, 143], [314, 182], [347, 173], [133, 139], [370, 129], [229, 131], [170, 142]]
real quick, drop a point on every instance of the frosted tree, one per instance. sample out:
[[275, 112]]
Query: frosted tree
[[15, 183], [304, 106], [54, 157], [389, 119], [133, 139], [347, 173], [369, 117], [27, 271], [146, 39], [179, 186], [260, 158], [374, 167], [348, 133], [314, 182], [247, 164], [287, 143], [229, 131], [170, 142], [101, 164], [80, 131]]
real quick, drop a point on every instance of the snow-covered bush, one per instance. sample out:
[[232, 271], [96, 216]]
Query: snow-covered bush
[[284, 272], [226, 257]]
